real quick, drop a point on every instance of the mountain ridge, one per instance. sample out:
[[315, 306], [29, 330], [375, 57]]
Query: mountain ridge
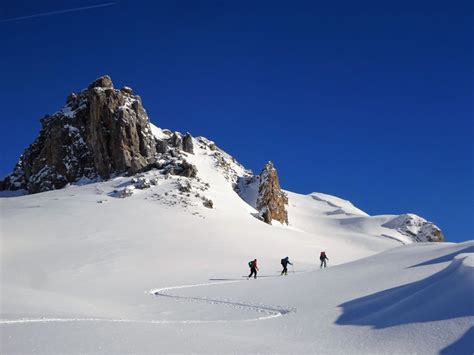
[[103, 132]]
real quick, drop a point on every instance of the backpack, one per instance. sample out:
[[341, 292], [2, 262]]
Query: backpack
[[323, 255], [251, 263], [282, 261]]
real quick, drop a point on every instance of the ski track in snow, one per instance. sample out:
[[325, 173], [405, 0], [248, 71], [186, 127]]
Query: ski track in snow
[[270, 311]]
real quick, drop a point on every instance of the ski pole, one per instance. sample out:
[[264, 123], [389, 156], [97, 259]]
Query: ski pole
[[293, 268]]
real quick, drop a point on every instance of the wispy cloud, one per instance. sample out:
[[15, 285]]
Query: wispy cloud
[[57, 12]]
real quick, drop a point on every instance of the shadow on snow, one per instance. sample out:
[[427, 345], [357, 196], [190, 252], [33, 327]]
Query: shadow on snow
[[445, 258], [444, 295], [463, 346]]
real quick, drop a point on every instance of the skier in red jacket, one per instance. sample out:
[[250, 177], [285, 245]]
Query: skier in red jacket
[[253, 269]]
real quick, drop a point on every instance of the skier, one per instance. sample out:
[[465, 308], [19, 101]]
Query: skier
[[323, 259], [253, 269], [284, 263]]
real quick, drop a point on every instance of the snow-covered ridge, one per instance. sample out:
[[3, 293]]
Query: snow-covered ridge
[[340, 206]]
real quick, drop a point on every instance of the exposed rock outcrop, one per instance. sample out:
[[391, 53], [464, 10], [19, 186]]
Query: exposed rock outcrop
[[126, 191], [207, 203], [141, 182], [416, 227], [161, 146], [188, 143], [184, 169], [271, 199], [101, 131], [176, 141]]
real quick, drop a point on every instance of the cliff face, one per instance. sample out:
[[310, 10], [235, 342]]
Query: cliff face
[[271, 199], [100, 131], [117, 128]]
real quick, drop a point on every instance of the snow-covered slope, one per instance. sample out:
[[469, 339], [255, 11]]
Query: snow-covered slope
[[101, 267], [138, 276]]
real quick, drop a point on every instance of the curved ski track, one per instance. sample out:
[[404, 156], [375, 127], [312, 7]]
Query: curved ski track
[[269, 311]]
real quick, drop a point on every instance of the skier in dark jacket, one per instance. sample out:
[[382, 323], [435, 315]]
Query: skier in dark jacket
[[284, 263], [253, 269], [323, 259]]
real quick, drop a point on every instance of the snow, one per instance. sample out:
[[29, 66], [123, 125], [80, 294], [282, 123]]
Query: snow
[[157, 272], [340, 205], [158, 132], [68, 112], [74, 132]]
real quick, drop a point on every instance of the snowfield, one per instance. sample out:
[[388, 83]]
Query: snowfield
[[86, 271]]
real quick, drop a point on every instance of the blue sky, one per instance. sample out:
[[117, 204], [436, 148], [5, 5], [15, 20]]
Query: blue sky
[[371, 101]]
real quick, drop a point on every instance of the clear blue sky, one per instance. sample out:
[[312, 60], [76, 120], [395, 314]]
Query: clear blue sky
[[371, 101]]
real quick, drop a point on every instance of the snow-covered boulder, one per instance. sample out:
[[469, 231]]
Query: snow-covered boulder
[[184, 186], [141, 183], [416, 227], [183, 169], [127, 191]]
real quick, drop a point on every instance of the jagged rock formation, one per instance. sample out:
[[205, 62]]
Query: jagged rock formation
[[271, 199], [184, 169], [188, 143], [176, 141], [100, 132], [416, 227]]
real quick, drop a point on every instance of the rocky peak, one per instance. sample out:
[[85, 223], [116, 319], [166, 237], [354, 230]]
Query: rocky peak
[[271, 199], [100, 132], [127, 90], [104, 82]]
